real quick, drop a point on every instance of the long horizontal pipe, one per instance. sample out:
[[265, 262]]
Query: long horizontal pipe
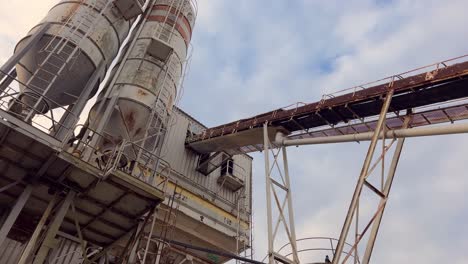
[[209, 250], [398, 133]]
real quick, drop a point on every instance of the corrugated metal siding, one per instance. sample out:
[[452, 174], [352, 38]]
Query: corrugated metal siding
[[185, 161], [67, 252], [10, 251]]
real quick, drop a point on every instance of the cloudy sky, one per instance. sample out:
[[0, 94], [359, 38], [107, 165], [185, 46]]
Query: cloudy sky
[[253, 56]]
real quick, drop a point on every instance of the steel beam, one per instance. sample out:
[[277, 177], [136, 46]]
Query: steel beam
[[383, 201], [399, 133], [13, 60], [69, 119], [362, 177], [15, 211], [266, 145], [7, 80], [32, 241], [49, 240], [290, 206]]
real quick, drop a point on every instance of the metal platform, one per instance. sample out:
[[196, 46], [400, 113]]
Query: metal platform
[[107, 206]]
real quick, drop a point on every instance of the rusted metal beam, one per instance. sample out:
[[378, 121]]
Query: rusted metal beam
[[412, 91]]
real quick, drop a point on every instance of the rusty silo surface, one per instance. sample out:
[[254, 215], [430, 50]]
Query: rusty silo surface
[[144, 89], [81, 36]]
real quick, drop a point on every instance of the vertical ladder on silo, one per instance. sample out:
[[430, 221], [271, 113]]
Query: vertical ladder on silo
[[178, 10], [54, 63]]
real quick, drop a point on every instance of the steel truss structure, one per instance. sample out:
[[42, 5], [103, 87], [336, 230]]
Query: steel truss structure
[[278, 187], [385, 112], [389, 139]]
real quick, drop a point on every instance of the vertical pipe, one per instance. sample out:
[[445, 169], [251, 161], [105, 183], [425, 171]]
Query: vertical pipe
[[290, 206], [266, 145], [362, 176], [383, 202], [110, 91], [8, 80], [13, 60], [15, 211], [32, 241], [70, 119]]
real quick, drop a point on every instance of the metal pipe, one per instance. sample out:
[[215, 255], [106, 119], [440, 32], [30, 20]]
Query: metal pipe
[[398, 133], [211, 251], [7, 80], [266, 145], [361, 180], [13, 60], [70, 119]]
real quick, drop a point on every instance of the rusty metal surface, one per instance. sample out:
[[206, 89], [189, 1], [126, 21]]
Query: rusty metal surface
[[429, 117], [70, 24], [427, 85]]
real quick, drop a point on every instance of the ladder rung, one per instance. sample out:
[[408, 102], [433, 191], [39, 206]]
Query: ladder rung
[[41, 79]]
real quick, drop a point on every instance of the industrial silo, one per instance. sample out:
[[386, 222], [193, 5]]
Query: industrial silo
[[81, 37], [136, 105]]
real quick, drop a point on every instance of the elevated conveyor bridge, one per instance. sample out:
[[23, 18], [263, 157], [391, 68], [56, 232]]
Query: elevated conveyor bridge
[[435, 94]]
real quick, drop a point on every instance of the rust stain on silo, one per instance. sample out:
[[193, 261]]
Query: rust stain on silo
[[71, 11], [142, 93], [130, 120]]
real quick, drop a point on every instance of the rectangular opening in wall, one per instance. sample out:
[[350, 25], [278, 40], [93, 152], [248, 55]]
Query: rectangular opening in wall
[[129, 8], [231, 176]]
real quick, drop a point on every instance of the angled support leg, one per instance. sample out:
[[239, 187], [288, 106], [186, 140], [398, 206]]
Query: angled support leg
[[15, 211], [383, 201], [49, 240], [362, 178]]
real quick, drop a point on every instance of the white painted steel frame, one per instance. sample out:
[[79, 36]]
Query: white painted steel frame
[[286, 204], [383, 192], [362, 178], [397, 133]]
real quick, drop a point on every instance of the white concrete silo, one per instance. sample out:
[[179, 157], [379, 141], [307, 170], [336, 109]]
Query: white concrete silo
[[81, 36], [136, 105]]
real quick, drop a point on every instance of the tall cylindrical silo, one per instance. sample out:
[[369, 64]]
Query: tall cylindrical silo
[[81, 35], [144, 89]]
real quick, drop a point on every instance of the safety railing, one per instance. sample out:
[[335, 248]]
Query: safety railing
[[231, 168], [108, 155], [430, 72], [49, 122], [320, 247]]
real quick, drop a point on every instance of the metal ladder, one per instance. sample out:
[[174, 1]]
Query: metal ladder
[[162, 31], [156, 109], [61, 50]]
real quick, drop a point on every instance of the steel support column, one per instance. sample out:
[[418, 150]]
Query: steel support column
[[32, 241], [275, 187], [266, 144], [69, 119], [290, 205], [7, 80], [49, 240], [362, 177], [15, 211], [13, 60], [383, 201]]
